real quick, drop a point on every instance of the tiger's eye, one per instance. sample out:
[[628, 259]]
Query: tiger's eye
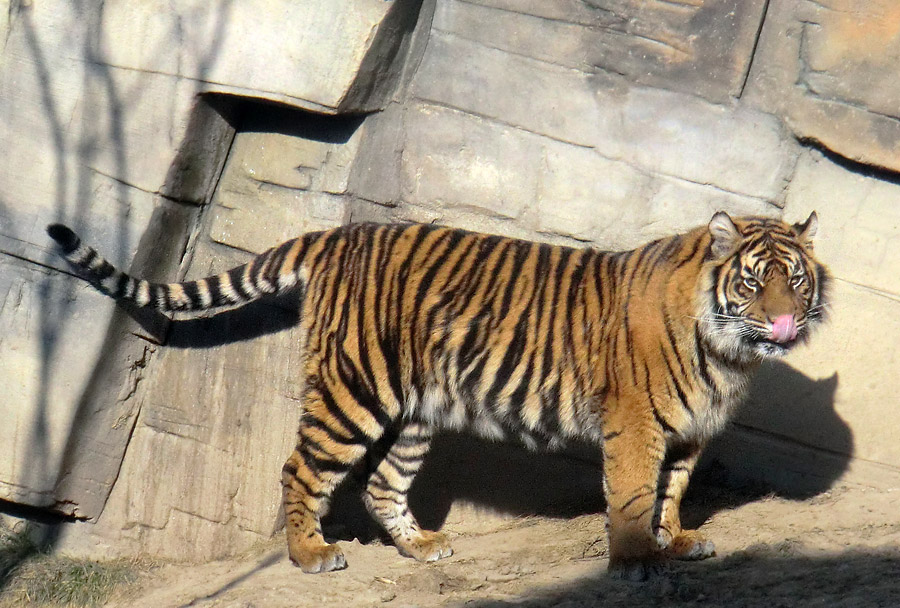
[[797, 280], [751, 283]]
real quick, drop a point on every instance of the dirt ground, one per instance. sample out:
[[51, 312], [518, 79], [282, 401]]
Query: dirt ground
[[840, 548]]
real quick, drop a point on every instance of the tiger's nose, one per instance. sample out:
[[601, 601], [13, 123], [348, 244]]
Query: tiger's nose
[[784, 329]]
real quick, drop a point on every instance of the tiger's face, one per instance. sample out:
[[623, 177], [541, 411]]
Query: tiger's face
[[767, 289]]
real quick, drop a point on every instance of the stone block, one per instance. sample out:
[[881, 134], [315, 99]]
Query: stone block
[[54, 331], [615, 206], [334, 175], [702, 48], [510, 29], [858, 218], [279, 159], [271, 216], [588, 197], [479, 79], [352, 52], [821, 65], [376, 171], [457, 161], [736, 150], [677, 205], [259, 204]]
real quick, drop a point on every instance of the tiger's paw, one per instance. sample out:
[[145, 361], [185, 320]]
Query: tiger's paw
[[690, 545], [324, 558], [427, 547]]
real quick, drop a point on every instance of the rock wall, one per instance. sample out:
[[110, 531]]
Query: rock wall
[[606, 122]]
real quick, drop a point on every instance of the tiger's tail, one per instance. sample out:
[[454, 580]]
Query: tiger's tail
[[272, 272]]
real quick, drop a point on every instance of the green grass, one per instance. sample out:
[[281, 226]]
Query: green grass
[[31, 577]]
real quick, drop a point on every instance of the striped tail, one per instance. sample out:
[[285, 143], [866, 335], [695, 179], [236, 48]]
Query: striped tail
[[273, 271]]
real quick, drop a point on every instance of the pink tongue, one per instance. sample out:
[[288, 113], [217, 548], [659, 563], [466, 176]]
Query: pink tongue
[[784, 329]]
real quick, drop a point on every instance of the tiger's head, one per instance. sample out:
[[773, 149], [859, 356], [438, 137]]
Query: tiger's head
[[766, 290]]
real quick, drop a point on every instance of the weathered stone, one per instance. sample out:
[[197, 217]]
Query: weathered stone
[[481, 80], [821, 65], [279, 159], [701, 47], [859, 221], [455, 160], [376, 171], [588, 197], [737, 150], [613, 204], [53, 335], [334, 176], [252, 47], [255, 209], [514, 31]]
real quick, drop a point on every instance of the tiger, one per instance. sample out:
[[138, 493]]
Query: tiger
[[414, 329]]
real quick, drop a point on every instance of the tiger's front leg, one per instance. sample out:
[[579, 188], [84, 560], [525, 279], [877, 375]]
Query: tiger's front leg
[[677, 542], [633, 454]]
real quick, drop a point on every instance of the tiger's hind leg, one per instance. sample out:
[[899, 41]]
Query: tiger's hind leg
[[677, 542], [326, 451], [386, 492]]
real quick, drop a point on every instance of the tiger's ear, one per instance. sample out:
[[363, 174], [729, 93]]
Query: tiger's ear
[[724, 233], [807, 230]]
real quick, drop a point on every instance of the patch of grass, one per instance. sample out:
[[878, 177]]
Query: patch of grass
[[31, 577]]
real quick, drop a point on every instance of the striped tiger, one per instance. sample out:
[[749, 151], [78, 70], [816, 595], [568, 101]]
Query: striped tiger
[[414, 329]]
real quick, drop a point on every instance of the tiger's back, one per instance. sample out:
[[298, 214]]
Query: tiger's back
[[412, 329]]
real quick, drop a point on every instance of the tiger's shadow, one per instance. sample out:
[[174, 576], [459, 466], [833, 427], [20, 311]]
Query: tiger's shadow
[[741, 466]]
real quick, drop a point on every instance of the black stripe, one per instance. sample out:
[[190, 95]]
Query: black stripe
[[469, 385], [636, 497], [333, 435], [255, 269], [387, 340], [674, 244], [519, 396], [86, 262], [121, 286], [217, 297], [273, 271], [329, 465], [338, 413], [662, 422], [235, 275], [696, 248], [308, 491], [702, 365], [547, 367], [105, 271], [673, 341], [192, 291], [511, 358], [473, 342], [678, 389], [522, 251], [405, 469], [659, 419]]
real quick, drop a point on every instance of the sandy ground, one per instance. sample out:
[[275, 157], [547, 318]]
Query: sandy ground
[[841, 548]]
